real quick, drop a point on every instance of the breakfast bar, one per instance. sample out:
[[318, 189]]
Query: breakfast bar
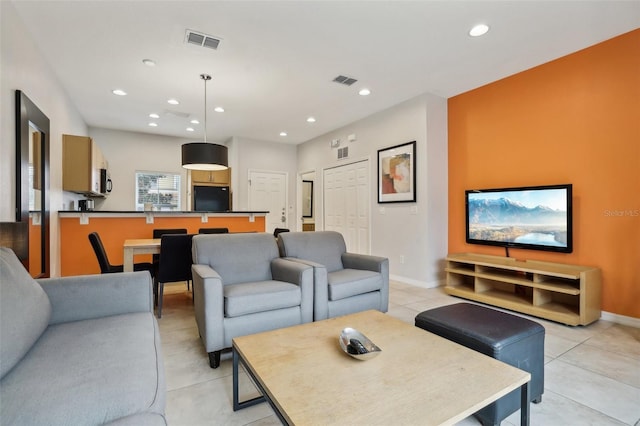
[[114, 227]]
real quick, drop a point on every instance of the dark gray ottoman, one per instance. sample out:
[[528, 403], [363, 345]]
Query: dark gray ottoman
[[505, 337]]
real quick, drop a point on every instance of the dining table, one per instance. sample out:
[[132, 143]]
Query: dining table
[[133, 247]]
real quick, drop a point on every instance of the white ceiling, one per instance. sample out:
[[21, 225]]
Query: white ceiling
[[277, 59]]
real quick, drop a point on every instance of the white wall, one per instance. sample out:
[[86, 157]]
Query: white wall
[[419, 236], [23, 67], [256, 155], [130, 152]]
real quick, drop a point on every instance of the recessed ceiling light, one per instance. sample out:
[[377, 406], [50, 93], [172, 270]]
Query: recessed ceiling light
[[364, 92], [190, 129], [283, 133], [119, 92], [153, 124], [154, 115], [311, 120], [149, 62], [478, 30], [194, 121], [218, 109], [173, 102]]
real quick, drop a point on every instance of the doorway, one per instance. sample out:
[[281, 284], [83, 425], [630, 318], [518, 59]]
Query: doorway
[[346, 204], [268, 191]]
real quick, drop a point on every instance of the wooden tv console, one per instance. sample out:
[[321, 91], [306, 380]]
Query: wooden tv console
[[568, 294]]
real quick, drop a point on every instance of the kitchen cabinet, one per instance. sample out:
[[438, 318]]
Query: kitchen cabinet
[[217, 177], [82, 162]]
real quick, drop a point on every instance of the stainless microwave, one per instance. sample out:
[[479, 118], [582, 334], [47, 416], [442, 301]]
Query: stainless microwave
[[106, 184]]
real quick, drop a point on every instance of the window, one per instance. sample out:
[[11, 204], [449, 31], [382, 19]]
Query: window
[[157, 189]]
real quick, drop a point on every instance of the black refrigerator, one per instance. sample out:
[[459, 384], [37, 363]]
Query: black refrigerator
[[211, 198]]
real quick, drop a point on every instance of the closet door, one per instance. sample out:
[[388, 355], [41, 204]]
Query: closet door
[[346, 204]]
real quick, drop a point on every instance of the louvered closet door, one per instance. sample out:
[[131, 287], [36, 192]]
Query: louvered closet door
[[346, 204]]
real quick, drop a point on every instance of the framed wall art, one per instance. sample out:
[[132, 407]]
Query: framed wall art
[[397, 174]]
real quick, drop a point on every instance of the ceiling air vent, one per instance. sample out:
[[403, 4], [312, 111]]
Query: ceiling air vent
[[202, 40], [342, 79]]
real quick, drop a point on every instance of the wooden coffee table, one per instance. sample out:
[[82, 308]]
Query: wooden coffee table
[[418, 378]]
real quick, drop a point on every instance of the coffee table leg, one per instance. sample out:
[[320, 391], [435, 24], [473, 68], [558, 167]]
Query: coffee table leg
[[237, 404], [524, 405]]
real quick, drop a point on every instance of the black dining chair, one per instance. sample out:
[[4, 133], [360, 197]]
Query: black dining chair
[[279, 231], [175, 263], [157, 233], [103, 260], [213, 231]]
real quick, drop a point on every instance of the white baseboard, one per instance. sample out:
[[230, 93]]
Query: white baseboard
[[416, 283], [620, 319]]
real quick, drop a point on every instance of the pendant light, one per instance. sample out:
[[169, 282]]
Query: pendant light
[[203, 155]]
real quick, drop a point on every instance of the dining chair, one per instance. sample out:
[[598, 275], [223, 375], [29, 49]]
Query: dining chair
[[157, 233], [105, 266], [175, 263], [278, 231], [213, 231]]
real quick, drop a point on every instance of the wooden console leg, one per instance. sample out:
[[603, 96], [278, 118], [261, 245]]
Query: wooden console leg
[[214, 359]]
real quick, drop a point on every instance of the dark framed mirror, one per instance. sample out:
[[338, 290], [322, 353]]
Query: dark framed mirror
[[307, 198], [32, 181]]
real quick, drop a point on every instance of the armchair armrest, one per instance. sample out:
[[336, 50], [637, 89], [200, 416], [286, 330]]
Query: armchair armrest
[[95, 296], [291, 271], [366, 262], [297, 273], [208, 301]]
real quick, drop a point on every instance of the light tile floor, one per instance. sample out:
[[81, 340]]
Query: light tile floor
[[592, 373]]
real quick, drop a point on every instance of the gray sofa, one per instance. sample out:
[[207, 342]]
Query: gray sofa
[[79, 350]]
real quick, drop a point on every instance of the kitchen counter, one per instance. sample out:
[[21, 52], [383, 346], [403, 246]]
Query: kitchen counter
[[114, 227]]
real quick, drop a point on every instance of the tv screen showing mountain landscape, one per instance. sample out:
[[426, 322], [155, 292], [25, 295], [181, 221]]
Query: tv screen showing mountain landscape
[[530, 217]]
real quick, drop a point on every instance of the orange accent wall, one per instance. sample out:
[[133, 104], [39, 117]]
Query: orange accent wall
[[573, 120], [78, 258]]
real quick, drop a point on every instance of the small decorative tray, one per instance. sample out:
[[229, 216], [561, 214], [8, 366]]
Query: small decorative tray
[[357, 345]]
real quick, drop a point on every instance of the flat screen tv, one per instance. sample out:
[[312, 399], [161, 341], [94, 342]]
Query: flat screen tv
[[533, 217], [210, 198]]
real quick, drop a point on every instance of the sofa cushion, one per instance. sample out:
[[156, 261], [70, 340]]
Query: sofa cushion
[[248, 298], [87, 372], [323, 247], [351, 282], [24, 311]]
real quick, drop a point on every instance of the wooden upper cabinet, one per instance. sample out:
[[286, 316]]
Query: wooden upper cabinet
[[82, 161], [218, 177]]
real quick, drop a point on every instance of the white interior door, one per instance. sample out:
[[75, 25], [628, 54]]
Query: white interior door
[[346, 204], [268, 191]]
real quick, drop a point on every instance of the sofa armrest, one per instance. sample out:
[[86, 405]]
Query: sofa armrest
[[208, 303], [96, 296]]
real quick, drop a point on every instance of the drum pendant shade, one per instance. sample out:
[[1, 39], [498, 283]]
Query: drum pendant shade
[[204, 156]]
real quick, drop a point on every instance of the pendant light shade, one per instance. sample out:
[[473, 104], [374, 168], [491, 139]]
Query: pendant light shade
[[203, 155]]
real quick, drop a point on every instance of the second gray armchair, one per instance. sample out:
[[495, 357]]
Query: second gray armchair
[[344, 282], [241, 286]]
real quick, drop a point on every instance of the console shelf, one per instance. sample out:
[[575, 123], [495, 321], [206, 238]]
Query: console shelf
[[568, 294]]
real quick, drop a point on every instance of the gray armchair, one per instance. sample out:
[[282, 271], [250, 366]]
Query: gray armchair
[[344, 282], [241, 287]]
